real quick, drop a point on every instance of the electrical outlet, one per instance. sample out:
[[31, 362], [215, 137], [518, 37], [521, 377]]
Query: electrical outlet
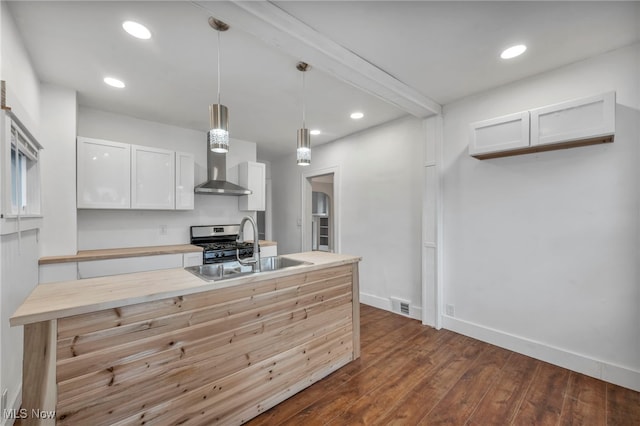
[[450, 310], [163, 229]]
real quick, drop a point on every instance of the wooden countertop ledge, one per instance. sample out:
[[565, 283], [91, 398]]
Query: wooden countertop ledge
[[117, 253], [67, 298]]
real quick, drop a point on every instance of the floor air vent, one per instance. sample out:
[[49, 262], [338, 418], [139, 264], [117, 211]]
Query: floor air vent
[[400, 306], [404, 308]]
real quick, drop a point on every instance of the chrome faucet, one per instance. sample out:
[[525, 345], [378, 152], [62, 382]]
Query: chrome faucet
[[255, 259]]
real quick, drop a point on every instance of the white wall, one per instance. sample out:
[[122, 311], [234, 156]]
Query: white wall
[[130, 228], [58, 171], [18, 256], [541, 251], [19, 276], [23, 91], [380, 213]]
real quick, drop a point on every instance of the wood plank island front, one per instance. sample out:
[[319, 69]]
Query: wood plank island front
[[167, 348]]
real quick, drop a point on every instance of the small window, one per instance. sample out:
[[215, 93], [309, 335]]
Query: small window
[[25, 182]]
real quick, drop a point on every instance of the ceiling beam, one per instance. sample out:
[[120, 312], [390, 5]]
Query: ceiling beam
[[281, 30]]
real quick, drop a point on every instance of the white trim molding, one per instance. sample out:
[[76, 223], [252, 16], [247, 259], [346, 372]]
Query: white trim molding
[[602, 370]]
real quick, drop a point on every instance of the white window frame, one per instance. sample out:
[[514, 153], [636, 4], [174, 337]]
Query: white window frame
[[24, 212]]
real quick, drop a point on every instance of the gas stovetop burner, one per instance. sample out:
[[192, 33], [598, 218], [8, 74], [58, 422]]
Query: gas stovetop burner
[[225, 246], [219, 243]]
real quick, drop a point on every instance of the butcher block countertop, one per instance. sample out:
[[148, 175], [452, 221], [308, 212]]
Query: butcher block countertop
[[67, 298], [117, 253]]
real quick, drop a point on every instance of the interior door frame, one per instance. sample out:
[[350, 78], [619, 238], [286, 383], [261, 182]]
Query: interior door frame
[[305, 207]]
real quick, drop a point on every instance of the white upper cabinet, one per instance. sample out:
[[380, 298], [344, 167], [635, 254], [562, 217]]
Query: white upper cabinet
[[579, 122], [499, 134], [104, 179], [114, 175], [252, 175], [581, 119], [152, 178], [185, 181]]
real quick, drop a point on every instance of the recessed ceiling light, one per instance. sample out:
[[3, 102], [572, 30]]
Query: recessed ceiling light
[[357, 115], [315, 132], [513, 51], [114, 82], [137, 30]]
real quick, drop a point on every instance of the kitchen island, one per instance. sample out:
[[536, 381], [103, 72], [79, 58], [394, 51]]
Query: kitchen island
[[165, 347]]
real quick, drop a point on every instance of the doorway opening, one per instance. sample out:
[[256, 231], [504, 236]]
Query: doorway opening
[[320, 212]]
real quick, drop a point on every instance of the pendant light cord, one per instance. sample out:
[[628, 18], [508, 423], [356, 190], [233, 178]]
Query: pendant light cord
[[218, 67], [304, 109]]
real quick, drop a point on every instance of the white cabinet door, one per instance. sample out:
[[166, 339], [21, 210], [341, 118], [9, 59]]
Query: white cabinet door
[[104, 180], [252, 175], [499, 134], [152, 178], [581, 119], [126, 265], [268, 251], [185, 181], [192, 259]]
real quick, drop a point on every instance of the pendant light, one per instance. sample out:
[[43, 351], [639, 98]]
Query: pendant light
[[303, 153], [218, 135]]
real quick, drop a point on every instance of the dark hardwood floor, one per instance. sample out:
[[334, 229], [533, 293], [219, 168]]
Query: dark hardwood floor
[[409, 374]]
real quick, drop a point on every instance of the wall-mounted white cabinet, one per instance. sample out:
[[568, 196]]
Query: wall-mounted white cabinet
[[115, 175], [252, 175], [581, 119], [579, 122], [185, 181], [104, 174], [152, 178], [499, 134]]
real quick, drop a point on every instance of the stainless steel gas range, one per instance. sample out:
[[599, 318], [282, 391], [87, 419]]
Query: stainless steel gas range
[[219, 243]]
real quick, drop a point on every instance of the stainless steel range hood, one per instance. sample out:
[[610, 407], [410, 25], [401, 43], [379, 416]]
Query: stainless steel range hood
[[217, 178]]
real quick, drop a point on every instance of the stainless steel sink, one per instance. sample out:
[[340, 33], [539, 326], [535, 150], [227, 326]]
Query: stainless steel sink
[[234, 269], [274, 263]]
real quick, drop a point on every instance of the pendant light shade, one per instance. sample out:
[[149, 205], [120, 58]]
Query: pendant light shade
[[218, 135], [303, 153]]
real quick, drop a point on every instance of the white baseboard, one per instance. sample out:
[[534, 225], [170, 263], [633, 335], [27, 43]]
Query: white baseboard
[[602, 370], [415, 312]]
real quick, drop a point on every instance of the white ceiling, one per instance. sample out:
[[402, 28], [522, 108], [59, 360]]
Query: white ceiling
[[385, 58]]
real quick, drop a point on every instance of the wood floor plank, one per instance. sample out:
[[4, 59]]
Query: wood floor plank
[[386, 345], [584, 402], [340, 399], [623, 406], [422, 398], [543, 402], [503, 400], [374, 405], [460, 402]]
